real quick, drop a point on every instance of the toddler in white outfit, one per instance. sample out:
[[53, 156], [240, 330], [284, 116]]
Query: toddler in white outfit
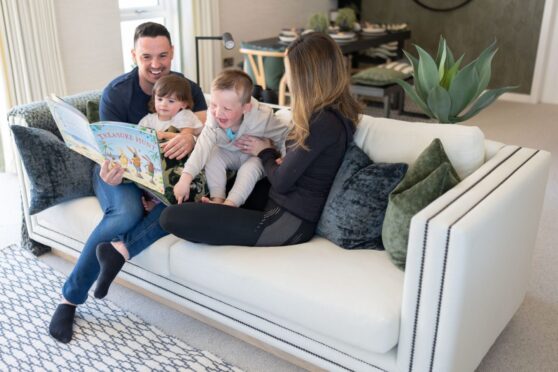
[[232, 114], [171, 102]]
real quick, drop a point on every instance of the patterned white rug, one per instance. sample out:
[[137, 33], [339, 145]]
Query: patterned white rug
[[106, 338]]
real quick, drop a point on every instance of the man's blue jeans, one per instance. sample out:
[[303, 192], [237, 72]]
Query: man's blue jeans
[[123, 213]]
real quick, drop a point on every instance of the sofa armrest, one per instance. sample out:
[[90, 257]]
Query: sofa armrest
[[468, 262]]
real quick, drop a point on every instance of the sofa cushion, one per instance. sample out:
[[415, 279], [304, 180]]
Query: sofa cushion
[[77, 218], [292, 286], [354, 212], [430, 177], [393, 141], [56, 173]]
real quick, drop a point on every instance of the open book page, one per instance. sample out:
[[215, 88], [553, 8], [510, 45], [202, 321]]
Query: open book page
[[74, 127], [135, 148]]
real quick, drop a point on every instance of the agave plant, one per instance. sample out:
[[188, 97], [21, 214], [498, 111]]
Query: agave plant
[[443, 91]]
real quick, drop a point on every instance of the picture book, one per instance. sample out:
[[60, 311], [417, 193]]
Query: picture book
[[134, 148]]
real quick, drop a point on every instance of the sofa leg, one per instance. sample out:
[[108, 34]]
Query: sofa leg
[[29, 244]]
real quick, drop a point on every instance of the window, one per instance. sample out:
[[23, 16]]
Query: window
[[136, 12]]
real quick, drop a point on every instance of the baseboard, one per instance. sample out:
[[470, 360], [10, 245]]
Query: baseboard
[[517, 97]]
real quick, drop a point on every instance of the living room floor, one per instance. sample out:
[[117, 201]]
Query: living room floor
[[528, 343]]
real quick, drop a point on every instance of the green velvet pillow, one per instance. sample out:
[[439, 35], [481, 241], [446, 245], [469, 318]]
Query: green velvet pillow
[[430, 177], [92, 111], [378, 76]]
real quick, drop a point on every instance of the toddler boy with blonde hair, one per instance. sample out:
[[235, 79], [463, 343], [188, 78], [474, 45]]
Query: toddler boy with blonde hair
[[233, 113]]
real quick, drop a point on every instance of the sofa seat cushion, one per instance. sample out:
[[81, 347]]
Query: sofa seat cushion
[[393, 141], [292, 285], [76, 219]]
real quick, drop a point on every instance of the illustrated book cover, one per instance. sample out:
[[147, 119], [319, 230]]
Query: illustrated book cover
[[134, 148]]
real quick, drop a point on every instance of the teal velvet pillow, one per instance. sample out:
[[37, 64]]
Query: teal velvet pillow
[[430, 177], [56, 173], [354, 212], [380, 76]]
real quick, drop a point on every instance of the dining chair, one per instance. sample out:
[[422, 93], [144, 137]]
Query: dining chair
[[256, 60]]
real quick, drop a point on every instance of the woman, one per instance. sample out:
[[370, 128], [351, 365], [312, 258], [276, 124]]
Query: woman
[[324, 118]]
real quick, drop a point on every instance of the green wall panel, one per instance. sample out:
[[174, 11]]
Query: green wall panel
[[515, 24]]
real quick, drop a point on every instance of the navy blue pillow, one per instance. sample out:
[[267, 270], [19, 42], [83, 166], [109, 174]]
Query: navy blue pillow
[[56, 173], [354, 212]]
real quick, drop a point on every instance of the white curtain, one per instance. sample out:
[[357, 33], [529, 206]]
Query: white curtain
[[206, 23], [31, 65], [34, 64]]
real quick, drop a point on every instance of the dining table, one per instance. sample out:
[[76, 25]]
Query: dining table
[[361, 41]]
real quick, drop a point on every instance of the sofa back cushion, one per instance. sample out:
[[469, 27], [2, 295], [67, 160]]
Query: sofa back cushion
[[394, 141]]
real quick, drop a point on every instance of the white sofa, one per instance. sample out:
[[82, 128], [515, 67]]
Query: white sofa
[[469, 257]]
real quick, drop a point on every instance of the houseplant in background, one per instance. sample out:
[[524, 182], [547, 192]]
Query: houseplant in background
[[345, 19], [449, 94], [319, 22]]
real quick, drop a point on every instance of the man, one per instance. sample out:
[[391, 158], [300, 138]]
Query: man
[[125, 99]]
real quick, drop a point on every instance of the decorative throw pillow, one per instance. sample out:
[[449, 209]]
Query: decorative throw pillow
[[92, 111], [430, 177], [56, 173], [354, 212]]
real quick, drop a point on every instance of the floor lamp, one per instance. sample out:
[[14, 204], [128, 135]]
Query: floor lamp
[[228, 43]]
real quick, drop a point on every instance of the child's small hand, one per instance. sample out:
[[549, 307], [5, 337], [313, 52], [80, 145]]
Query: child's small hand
[[182, 188], [279, 161]]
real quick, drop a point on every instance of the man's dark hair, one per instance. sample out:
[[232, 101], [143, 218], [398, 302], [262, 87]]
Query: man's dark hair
[[151, 29]]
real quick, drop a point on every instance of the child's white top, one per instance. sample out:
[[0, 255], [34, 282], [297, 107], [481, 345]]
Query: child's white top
[[258, 122], [182, 119]]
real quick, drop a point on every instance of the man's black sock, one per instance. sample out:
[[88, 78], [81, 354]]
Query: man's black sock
[[62, 322], [111, 261]]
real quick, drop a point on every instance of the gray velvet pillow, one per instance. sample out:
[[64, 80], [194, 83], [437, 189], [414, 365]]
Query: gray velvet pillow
[[354, 212], [56, 173]]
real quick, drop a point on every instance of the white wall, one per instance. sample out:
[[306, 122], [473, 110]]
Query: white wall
[[251, 20], [89, 33], [550, 81]]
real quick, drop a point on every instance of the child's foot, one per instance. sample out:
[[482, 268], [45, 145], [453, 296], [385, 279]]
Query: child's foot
[[207, 200], [229, 203], [62, 322], [111, 261], [148, 205]]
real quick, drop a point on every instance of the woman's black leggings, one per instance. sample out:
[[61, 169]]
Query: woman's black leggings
[[222, 225]]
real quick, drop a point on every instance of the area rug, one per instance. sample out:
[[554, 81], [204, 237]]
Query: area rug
[[106, 338]]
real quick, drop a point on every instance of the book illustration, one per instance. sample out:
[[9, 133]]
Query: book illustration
[[77, 137], [136, 149]]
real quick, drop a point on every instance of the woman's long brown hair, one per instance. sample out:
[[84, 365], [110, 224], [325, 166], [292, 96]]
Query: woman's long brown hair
[[319, 77]]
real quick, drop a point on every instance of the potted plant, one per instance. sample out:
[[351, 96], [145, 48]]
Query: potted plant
[[447, 93], [346, 19], [319, 22]]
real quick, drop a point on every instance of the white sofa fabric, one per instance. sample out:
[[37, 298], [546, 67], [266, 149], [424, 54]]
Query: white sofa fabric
[[468, 263]]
